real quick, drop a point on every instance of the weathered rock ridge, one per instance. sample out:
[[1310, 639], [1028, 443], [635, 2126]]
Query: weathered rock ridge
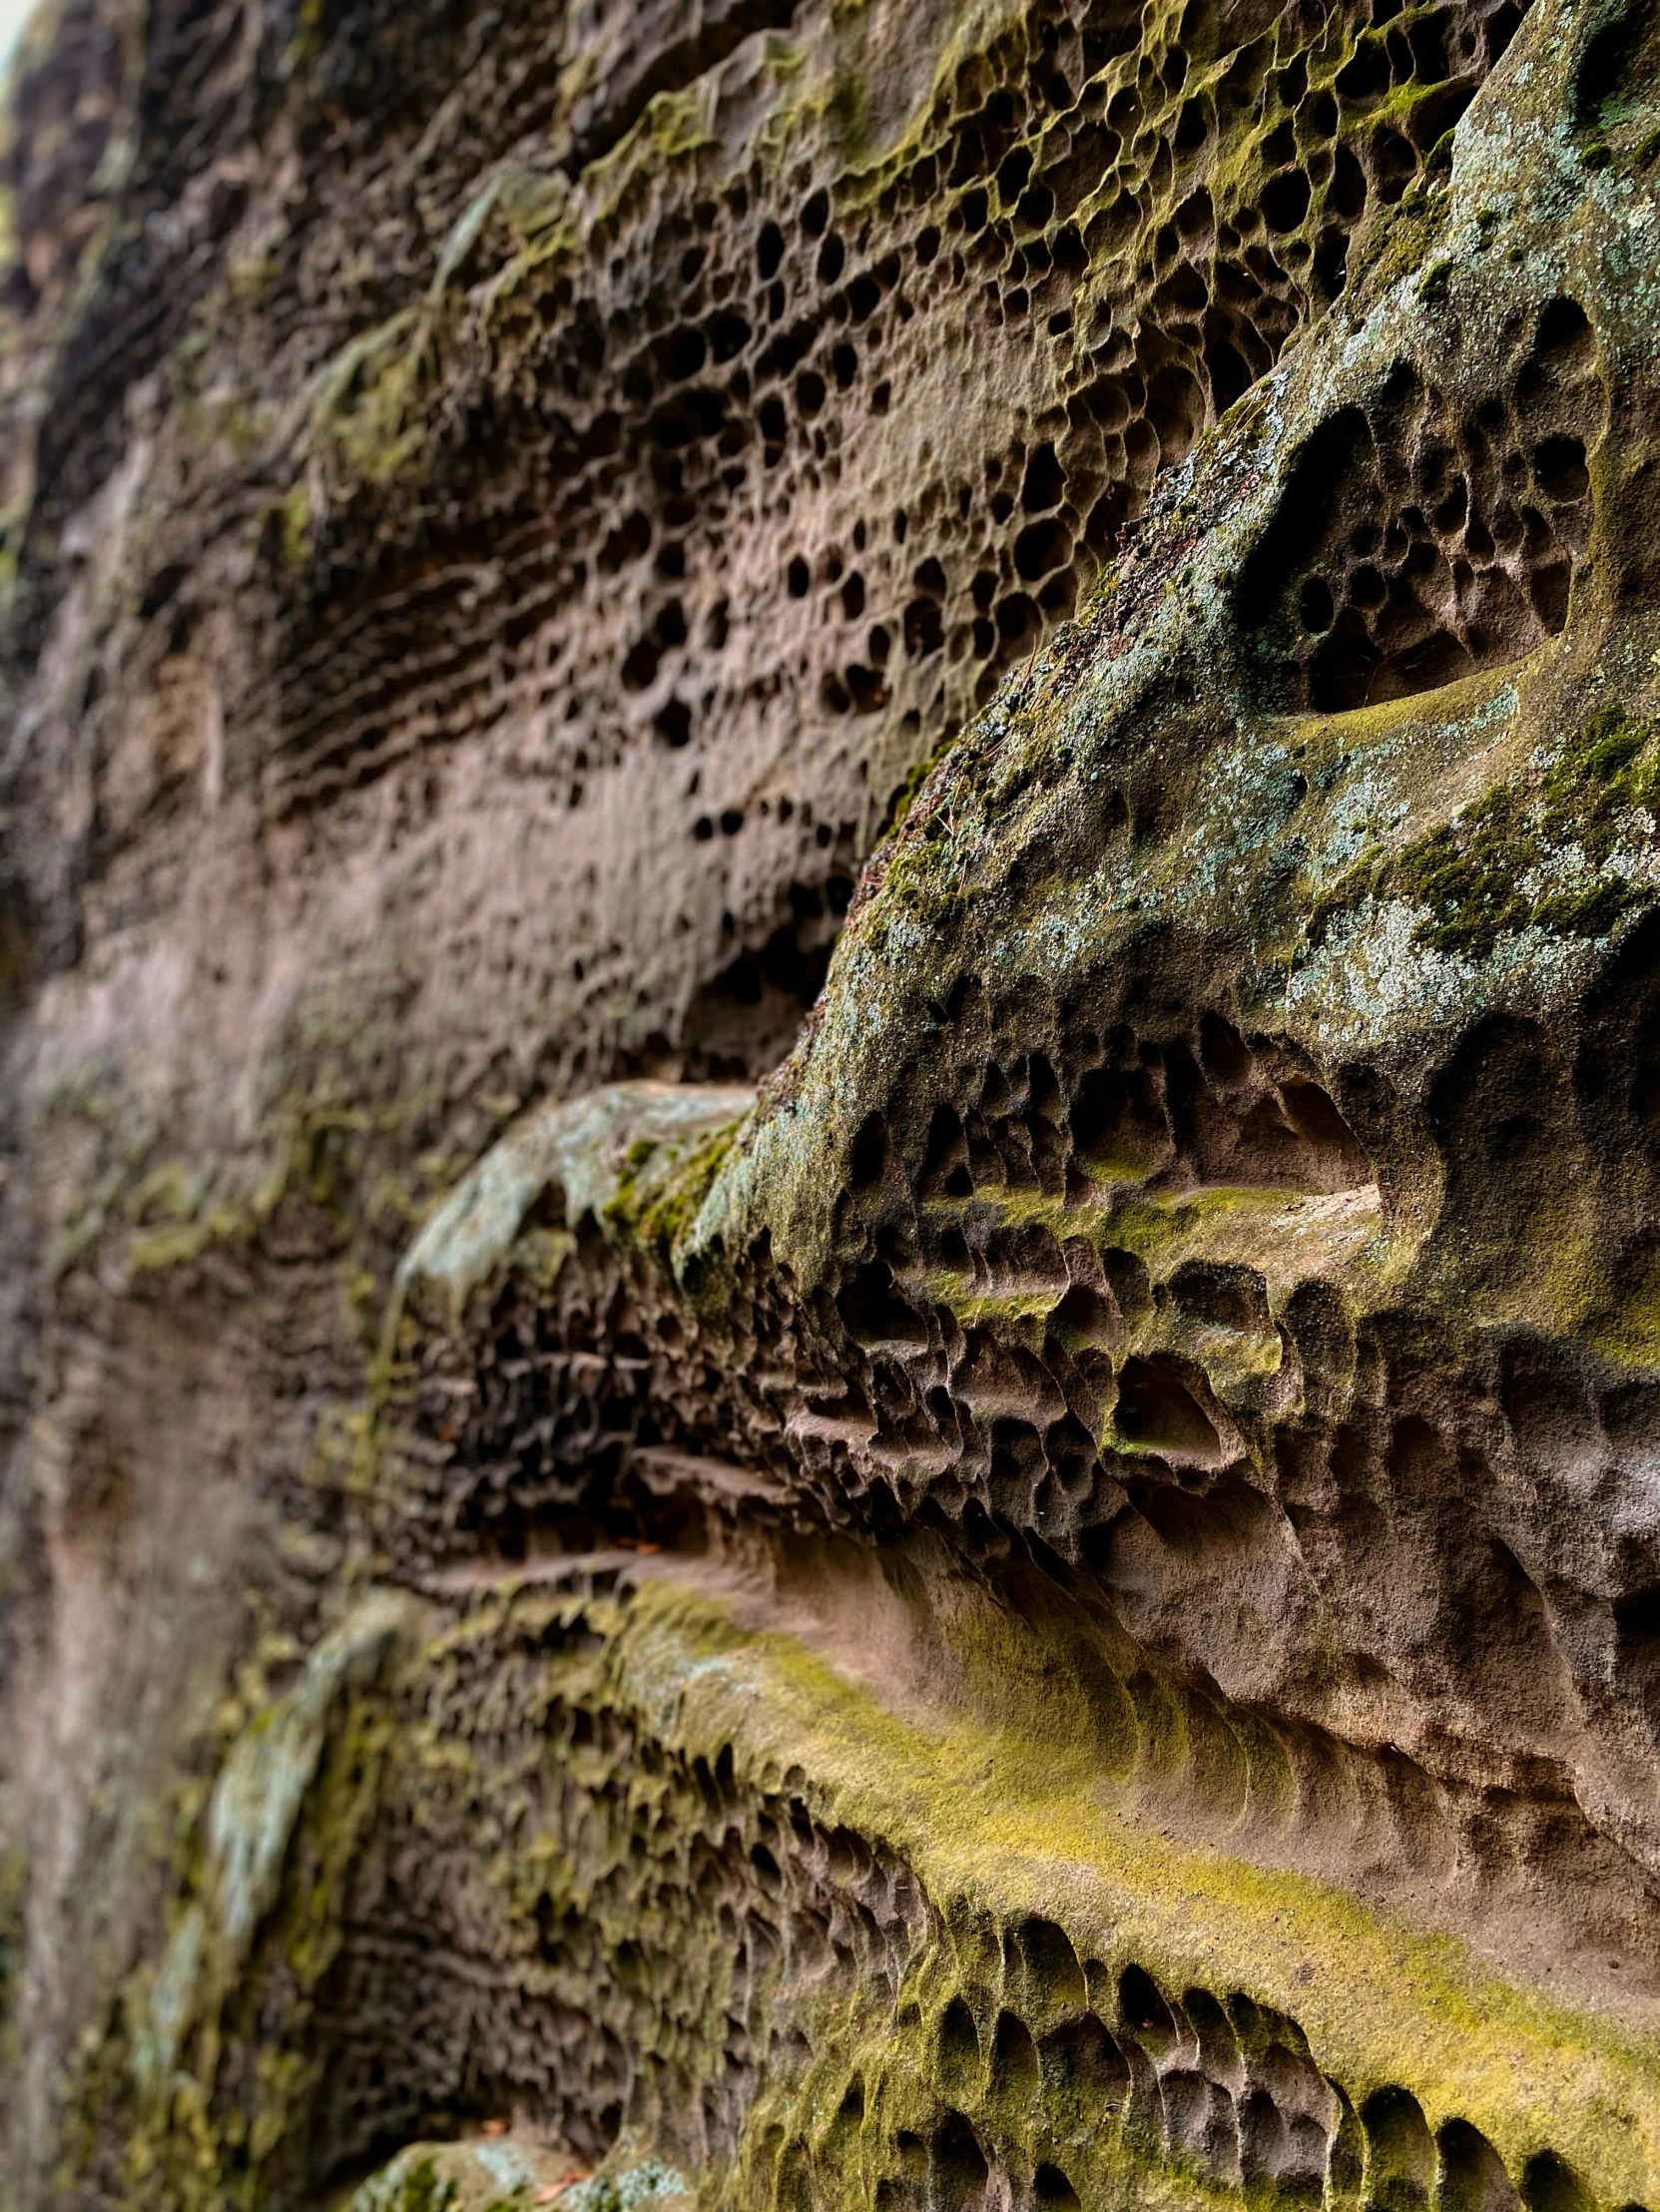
[[830, 958]]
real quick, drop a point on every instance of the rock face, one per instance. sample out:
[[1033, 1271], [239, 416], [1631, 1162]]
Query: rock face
[[829, 948]]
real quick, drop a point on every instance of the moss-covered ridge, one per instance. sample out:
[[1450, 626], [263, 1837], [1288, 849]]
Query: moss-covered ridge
[[1068, 1901], [264, 1876], [637, 1157], [1135, 781], [1014, 1821], [1012, 1833], [492, 2173], [1063, 1948]]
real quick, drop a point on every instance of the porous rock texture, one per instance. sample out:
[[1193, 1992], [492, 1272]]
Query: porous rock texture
[[829, 946]]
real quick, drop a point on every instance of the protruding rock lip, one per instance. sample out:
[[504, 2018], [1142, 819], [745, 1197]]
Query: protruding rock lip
[[582, 1146]]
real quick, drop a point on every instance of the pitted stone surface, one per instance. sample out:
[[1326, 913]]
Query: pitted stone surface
[[827, 945]]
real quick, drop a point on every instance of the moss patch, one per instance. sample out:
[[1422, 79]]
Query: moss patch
[[1014, 1818], [1493, 870]]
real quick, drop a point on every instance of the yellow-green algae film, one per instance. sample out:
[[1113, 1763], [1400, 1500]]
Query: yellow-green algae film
[[1014, 1818]]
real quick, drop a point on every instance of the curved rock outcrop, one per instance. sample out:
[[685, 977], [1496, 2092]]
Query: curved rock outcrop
[[833, 1169]]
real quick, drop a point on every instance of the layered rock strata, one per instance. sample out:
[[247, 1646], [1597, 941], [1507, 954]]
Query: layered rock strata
[[1038, 1586]]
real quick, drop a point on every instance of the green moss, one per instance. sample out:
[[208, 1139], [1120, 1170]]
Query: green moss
[[1009, 1812], [1385, 252], [174, 1210], [1470, 876], [906, 797], [286, 527], [206, 2053], [170, 1192], [1629, 1330], [425, 2192], [179, 1244], [972, 1309], [655, 1206], [1604, 773], [413, 2185]]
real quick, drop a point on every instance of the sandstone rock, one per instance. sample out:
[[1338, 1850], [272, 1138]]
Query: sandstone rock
[[830, 949]]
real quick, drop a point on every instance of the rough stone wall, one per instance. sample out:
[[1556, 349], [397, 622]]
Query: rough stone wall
[[827, 947]]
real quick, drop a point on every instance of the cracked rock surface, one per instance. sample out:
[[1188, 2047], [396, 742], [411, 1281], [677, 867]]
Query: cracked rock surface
[[829, 975]]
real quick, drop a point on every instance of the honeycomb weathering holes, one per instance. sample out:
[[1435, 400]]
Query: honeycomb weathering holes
[[998, 1360], [744, 1022], [791, 1906], [694, 542], [710, 516], [1036, 2052], [1432, 532], [1157, 1411]]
